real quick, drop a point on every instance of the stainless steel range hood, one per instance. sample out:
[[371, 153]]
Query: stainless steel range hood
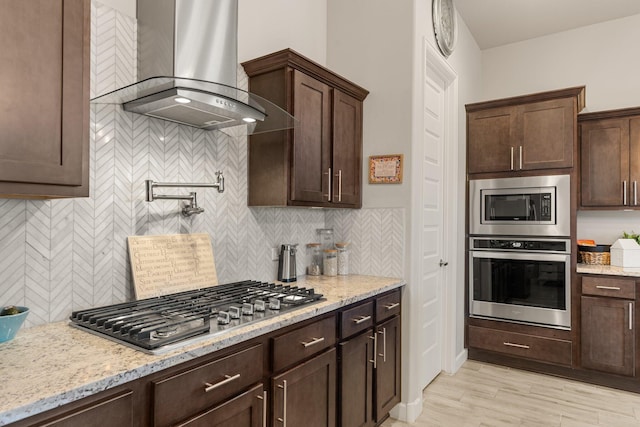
[[187, 65]]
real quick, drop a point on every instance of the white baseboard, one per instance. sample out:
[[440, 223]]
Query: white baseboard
[[460, 359], [407, 412]]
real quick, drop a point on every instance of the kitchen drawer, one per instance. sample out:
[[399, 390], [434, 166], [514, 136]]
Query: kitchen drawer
[[356, 319], [609, 287], [182, 395], [303, 342], [387, 305], [548, 350]]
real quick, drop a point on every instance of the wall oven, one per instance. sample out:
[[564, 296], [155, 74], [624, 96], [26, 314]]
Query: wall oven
[[522, 280], [521, 206]]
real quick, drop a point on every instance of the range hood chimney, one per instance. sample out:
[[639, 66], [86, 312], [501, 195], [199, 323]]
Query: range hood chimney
[[187, 65]]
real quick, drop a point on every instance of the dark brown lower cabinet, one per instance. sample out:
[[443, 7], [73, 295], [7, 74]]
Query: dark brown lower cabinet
[[305, 395], [608, 335], [387, 367], [356, 385], [245, 410]]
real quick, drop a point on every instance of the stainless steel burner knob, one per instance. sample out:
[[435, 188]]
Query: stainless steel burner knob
[[247, 309], [259, 305], [234, 312], [274, 304], [223, 318]]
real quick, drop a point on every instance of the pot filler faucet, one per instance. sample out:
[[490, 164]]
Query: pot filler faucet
[[190, 208]]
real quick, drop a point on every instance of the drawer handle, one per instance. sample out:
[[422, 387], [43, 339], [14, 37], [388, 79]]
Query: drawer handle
[[361, 319], [610, 288], [392, 306], [313, 341], [510, 344], [227, 380]]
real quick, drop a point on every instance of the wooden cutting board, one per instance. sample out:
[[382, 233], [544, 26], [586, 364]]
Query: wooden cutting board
[[166, 264]]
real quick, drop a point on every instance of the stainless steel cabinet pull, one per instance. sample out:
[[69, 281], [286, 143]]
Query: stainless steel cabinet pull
[[511, 158], [631, 316], [283, 420], [313, 341], [361, 319], [264, 407], [339, 175], [384, 344], [510, 344], [329, 177], [520, 155], [392, 306], [375, 350], [227, 380], [624, 193], [611, 288], [635, 193]]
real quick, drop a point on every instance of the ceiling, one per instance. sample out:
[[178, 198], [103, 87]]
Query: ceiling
[[499, 22]]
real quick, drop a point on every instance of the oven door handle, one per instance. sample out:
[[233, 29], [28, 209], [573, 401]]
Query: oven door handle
[[525, 256]]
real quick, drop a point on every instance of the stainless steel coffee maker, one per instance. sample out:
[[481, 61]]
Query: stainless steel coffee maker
[[287, 263]]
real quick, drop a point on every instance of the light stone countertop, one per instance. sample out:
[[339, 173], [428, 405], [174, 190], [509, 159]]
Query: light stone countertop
[[54, 364], [607, 270]]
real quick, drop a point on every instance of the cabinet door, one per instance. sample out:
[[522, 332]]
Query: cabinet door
[[44, 111], [490, 140], [547, 133], [306, 395], [608, 335], [347, 150], [245, 410], [604, 169], [387, 367], [310, 171], [634, 161], [356, 381]]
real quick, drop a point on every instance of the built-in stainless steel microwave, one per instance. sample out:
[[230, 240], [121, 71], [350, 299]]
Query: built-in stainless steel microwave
[[522, 206]]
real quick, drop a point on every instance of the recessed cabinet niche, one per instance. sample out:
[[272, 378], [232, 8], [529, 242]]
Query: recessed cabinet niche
[[531, 132], [44, 143], [610, 159], [319, 162]]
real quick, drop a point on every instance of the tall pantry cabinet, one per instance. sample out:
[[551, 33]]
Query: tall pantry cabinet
[[319, 162]]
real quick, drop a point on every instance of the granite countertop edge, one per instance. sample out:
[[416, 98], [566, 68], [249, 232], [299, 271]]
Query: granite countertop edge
[[610, 270], [53, 372]]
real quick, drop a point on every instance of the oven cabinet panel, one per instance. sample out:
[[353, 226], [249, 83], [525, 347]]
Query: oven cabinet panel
[[533, 132], [306, 394], [610, 161], [182, 395], [355, 394], [248, 409], [107, 409], [543, 349], [387, 367]]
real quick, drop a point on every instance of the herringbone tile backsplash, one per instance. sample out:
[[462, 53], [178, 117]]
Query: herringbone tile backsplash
[[62, 255]]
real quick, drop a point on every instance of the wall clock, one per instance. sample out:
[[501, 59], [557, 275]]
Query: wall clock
[[444, 25]]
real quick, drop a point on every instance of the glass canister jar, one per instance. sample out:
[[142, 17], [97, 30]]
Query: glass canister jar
[[343, 258], [330, 263], [315, 260], [325, 236]]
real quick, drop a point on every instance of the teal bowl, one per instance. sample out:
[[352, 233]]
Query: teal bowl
[[10, 324]]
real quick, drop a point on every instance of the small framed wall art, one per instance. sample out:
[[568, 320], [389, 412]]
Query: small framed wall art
[[385, 169]]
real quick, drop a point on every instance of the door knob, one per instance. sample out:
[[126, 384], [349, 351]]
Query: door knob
[[443, 264]]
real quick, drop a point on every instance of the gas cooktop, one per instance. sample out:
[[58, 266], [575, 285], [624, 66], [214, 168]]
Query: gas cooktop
[[160, 324]]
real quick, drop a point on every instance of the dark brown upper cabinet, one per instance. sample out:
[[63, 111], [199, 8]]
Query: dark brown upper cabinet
[[532, 132], [610, 159], [44, 112], [318, 162]]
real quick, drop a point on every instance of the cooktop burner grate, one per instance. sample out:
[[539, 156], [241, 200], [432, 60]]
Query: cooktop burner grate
[[153, 324]]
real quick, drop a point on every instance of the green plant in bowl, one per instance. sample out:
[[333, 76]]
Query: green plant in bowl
[[11, 319]]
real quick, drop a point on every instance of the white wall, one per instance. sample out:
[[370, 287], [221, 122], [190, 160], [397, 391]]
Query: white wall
[[604, 57]]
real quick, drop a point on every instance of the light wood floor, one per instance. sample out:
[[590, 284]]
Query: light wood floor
[[483, 395]]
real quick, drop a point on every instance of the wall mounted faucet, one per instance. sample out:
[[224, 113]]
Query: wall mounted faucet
[[190, 208]]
